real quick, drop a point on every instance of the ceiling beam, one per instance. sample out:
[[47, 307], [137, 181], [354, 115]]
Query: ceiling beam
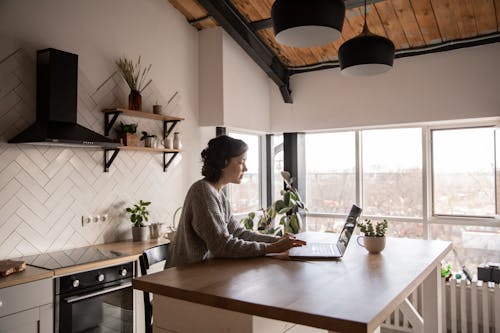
[[237, 27], [349, 4]]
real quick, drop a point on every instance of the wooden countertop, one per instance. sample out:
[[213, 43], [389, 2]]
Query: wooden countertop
[[30, 274], [132, 250], [354, 294]]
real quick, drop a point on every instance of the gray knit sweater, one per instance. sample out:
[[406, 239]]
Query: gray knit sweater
[[207, 230]]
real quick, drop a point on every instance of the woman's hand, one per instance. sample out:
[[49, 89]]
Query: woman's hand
[[284, 243]]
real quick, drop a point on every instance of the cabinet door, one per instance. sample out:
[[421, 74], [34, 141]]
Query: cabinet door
[[21, 322]]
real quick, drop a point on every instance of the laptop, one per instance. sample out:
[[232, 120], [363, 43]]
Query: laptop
[[329, 250]]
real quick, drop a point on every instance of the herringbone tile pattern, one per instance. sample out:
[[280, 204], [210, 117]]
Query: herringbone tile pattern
[[45, 191]]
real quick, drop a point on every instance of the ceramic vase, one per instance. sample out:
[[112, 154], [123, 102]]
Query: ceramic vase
[[135, 100], [177, 141]]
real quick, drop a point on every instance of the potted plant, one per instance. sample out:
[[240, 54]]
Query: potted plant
[[138, 214], [135, 77], [128, 134], [374, 235], [148, 139], [289, 207]]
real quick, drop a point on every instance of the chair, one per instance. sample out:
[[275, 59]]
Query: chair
[[146, 260]]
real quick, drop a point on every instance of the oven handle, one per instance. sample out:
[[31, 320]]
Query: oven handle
[[73, 299]]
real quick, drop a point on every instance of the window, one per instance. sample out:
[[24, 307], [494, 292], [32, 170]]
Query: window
[[330, 172], [464, 171], [277, 156], [392, 172], [245, 197]]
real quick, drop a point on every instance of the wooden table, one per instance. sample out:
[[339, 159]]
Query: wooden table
[[355, 294]]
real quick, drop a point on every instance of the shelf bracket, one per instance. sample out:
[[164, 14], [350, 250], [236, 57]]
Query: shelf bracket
[[107, 163], [167, 163], [168, 129], [108, 124]]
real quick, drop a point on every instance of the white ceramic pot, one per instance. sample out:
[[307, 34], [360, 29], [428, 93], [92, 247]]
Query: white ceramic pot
[[374, 245]]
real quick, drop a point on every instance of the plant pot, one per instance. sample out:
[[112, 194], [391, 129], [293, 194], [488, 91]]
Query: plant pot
[[135, 100], [374, 245], [140, 233], [131, 139]]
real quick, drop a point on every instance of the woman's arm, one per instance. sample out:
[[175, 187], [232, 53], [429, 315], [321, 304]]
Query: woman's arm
[[237, 230], [210, 225]]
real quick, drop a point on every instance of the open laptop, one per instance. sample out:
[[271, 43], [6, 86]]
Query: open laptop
[[329, 250]]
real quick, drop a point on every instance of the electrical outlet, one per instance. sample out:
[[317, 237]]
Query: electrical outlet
[[104, 218], [86, 220]]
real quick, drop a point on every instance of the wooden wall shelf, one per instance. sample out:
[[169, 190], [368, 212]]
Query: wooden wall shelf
[[169, 122]]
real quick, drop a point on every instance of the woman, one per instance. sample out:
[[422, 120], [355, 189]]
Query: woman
[[206, 228]]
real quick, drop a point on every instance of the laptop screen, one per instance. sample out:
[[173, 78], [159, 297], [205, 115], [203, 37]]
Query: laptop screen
[[348, 229]]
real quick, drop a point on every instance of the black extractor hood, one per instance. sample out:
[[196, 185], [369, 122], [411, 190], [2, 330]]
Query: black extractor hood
[[56, 105]]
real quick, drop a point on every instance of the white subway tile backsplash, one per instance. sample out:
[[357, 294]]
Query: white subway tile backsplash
[[32, 169], [44, 190], [32, 186]]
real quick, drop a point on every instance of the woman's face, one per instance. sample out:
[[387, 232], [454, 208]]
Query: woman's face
[[235, 169]]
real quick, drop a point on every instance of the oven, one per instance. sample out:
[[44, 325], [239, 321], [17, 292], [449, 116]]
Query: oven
[[95, 301]]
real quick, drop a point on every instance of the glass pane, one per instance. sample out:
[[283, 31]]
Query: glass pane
[[330, 172], [277, 155], [245, 197], [464, 172], [324, 224], [472, 245], [392, 172]]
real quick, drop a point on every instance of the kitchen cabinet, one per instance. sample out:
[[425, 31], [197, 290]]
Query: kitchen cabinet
[[169, 122], [27, 308]]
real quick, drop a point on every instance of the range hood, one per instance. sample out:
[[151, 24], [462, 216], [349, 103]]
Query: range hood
[[56, 105]]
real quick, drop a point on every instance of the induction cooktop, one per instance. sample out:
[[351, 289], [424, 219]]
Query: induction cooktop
[[70, 257]]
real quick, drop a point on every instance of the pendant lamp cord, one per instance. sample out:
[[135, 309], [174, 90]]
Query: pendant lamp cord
[[365, 26]]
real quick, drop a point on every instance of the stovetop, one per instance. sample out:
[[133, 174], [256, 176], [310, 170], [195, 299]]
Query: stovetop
[[70, 257]]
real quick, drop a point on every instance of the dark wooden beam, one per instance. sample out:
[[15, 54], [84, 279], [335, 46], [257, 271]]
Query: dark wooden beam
[[237, 27]]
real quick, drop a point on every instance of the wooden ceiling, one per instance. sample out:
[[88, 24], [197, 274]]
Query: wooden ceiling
[[410, 24], [414, 26]]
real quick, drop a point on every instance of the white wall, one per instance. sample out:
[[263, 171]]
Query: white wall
[[211, 77], [457, 84], [44, 191], [246, 90], [234, 91]]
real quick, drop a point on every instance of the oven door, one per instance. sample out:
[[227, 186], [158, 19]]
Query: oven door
[[109, 309]]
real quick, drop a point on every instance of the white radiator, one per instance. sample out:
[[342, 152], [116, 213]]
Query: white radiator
[[467, 307]]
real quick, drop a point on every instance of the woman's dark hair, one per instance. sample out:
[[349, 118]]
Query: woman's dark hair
[[217, 155]]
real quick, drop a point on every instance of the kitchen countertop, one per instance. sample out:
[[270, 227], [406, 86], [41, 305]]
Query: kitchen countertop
[[132, 251], [30, 274]]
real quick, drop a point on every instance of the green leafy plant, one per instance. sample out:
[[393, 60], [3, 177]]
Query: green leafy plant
[[127, 128], [138, 213], [289, 207], [145, 135], [133, 74], [370, 230], [446, 271]]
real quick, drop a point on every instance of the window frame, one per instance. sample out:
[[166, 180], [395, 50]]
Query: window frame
[[262, 165], [428, 216]]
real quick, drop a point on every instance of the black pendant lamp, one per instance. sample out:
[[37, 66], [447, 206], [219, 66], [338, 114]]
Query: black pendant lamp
[[306, 23], [366, 54]]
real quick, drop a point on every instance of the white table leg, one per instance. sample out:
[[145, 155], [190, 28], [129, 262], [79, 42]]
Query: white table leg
[[432, 302]]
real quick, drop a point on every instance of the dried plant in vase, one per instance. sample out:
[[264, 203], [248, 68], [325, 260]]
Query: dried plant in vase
[[135, 77]]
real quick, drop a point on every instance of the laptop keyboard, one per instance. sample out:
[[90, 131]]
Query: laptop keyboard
[[323, 249]]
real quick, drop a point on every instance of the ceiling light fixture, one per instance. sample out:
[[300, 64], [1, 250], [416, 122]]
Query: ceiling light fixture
[[366, 54], [307, 23]]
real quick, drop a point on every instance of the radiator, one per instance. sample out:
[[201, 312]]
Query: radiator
[[467, 307]]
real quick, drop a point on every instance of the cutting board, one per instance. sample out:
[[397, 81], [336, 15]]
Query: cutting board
[[11, 266]]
